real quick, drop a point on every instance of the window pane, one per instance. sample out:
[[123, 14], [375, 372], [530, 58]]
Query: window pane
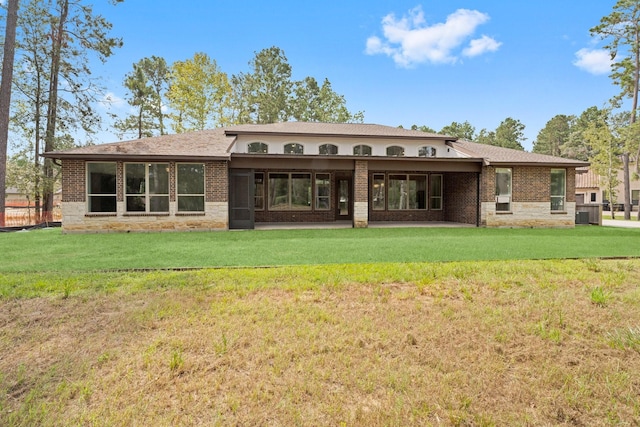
[[293, 149], [395, 151], [191, 203], [191, 178], [436, 192], [323, 191], [159, 178], [278, 191], [378, 192], [300, 191], [417, 192], [397, 192], [328, 149], [503, 189], [427, 151], [362, 150], [258, 190], [102, 203], [159, 204], [135, 178], [102, 178], [135, 204], [258, 148], [558, 178]]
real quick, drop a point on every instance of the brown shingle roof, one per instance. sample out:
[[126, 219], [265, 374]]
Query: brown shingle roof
[[499, 155], [206, 144]]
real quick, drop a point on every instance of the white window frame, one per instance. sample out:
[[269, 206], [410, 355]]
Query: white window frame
[[555, 198]]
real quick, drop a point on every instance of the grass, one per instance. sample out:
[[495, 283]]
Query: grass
[[49, 250], [460, 343]]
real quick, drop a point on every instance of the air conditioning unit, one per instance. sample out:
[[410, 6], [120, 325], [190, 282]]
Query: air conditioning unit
[[582, 218]]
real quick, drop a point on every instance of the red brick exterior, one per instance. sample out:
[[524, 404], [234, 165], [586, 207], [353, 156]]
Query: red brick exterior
[[461, 197], [73, 181], [530, 183], [361, 185], [217, 181]]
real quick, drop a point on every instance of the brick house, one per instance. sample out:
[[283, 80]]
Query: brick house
[[295, 172]]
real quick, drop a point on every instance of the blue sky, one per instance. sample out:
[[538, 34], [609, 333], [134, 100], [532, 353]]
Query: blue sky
[[401, 62]]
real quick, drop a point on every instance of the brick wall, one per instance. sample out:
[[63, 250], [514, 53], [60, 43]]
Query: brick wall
[[73, 181], [217, 181], [461, 197], [361, 194]]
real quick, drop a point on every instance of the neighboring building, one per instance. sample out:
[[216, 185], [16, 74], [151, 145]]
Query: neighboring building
[[297, 172], [590, 190]]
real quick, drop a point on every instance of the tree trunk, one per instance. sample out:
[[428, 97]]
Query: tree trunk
[[5, 99], [52, 109], [627, 186]]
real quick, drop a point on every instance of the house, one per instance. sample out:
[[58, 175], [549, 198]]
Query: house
[[296, 172], [589, 189]]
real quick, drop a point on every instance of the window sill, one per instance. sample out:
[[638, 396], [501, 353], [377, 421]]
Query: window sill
[[558, 212], [504, 213], [98, 214], [189, 213], [146, 214]]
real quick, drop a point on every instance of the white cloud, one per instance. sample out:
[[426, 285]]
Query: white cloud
[[409, 40], [110, 99], [594, 61], [482, 45]]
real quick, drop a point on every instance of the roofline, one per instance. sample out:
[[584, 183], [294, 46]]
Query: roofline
[[352, 157], [552, 164], [429, 137], [138, 157]]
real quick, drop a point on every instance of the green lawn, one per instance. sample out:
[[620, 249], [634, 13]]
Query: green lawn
[[49, 250]]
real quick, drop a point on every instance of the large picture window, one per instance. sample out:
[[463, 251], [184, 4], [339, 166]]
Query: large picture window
[[101, 187], [190, 187], [435, 195], [290, 191], [407, 192], [503, 189], [323, 191], [558, 189], [147, 187]]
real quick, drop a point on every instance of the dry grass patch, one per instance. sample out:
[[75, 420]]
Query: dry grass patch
[[442, 344]]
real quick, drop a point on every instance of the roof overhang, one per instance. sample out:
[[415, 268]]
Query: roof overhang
[[132, 157], [426, 137]]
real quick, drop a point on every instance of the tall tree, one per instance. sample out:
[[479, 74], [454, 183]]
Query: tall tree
[[147, 84], [266, 89], [622, 30], [198, 94], [576, 147], [605, 158], [555, 134], [464, 130], [5, 98], [313, 103], [509, 134], [423, 128]]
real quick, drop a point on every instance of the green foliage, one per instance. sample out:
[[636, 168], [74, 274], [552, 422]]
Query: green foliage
[[198, 94], [554, 136], [423, 128], [599, 296], [625, 339], [460, 130], [605, 155]]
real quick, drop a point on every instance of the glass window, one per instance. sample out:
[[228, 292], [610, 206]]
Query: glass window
[[436, 192], [289, 191], [395, 151], [634, 197], [293, 148], [147, 187], [323, 191], [362, 150], [407, 192], [258, 191], [190, 187], [378, 192], [558, 189], [503, 189], [328, 149], [594, 195], [101, 187], [258, 148], [427, 151]]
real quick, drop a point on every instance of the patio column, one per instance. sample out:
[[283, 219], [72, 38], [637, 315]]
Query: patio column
[[361, 195]]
